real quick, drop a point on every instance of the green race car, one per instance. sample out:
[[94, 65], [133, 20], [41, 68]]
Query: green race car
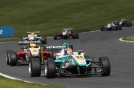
[[68, 64]]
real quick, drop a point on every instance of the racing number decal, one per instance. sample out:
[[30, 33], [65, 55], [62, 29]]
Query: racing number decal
[[120, 22], [34, 51], [79, 57]]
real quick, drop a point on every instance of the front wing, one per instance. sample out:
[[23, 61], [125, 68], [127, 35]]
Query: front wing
[[27, 42]]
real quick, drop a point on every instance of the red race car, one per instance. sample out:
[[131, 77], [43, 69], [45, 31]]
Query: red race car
[[66, 33], [32, 51]]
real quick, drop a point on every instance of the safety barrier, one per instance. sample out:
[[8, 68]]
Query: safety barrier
[[6, 31]]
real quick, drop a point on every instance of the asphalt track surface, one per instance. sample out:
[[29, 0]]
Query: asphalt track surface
[[106, 43]]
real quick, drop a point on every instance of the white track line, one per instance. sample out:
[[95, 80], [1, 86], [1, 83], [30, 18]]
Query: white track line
[[121, 39], [10, 77]]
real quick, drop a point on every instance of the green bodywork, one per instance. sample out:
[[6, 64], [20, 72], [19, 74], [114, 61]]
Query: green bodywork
[[67, 58]]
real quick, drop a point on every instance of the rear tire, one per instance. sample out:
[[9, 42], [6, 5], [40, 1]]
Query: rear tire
[[8, 56], [75, 36], [13, 58], [55, 37], [120, 28], [102, 28], [51, 71], [35, 67], [44, 40], [105, 65]]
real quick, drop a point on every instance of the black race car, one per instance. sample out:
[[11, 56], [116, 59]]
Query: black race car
[[66, 33], [114, 25], [125, 23]]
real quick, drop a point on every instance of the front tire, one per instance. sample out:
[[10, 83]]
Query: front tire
[[8, 57], [50, 67], [105, 65], [13, 58], [35, 67]]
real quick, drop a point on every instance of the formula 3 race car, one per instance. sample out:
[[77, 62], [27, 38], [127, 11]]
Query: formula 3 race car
[[114, 25], [125, 23], [66, 33], [75, 63], [33, 37], [23, 57]]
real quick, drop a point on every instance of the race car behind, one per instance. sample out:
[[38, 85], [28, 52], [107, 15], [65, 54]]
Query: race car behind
[[33, 37], [125, 23], [14, 57], [66, 33], [114, 25], [68, 63]]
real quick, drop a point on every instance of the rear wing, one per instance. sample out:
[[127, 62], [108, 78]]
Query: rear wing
[[68, 29], [52, 47], [56, 47], [34, 32]]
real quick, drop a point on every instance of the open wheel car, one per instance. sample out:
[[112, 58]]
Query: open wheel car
[[33, 37], [68, 64], [111, 26], [23, 57], [66, 33], [125, 23]]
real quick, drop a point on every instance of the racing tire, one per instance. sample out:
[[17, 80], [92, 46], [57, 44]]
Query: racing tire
[[120, 28], [51, 71], [8, 56], [117, 28], [55, 36], [78, 36], [105, 65], [35, 67], [13, 58], [130, 24], [65, 37], [102, 28], [127, 24], [75, 36], [44, 40]]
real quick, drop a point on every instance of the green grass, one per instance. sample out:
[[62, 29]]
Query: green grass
[[50, 16], [8, 83], [8, 39], [129, 38]]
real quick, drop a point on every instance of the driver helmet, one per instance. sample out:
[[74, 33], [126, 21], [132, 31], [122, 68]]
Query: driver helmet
[[68, 51], [32, 45], [32, 33]]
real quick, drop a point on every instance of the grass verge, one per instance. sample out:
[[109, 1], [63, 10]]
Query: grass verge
[[129, 38], [8, 39], [50, 16], [9, 83]]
